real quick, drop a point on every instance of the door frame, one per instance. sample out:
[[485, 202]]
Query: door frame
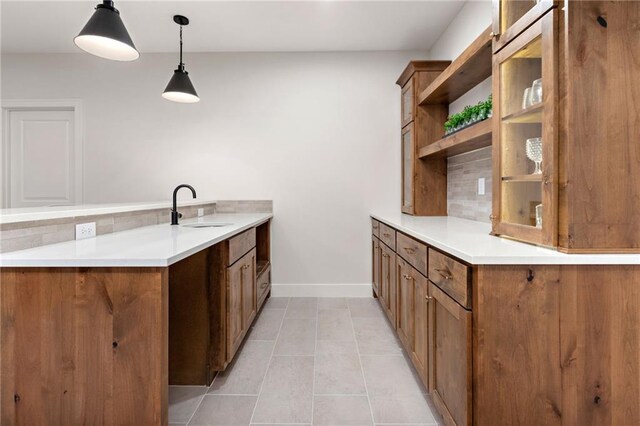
[[9, 105]]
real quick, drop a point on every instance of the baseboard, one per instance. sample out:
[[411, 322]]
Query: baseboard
[[321, 290]]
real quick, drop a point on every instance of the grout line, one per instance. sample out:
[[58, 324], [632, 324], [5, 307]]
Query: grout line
[[364, 380], [315, 354], [199, 402], [264, 378]]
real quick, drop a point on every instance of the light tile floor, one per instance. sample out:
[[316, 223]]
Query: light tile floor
[[326, 361]]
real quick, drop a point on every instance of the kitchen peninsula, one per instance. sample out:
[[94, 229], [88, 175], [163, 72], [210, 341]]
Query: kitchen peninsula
[[94, 330]]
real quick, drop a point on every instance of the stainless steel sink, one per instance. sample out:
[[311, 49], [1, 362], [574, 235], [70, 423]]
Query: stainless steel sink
[[206, 224]]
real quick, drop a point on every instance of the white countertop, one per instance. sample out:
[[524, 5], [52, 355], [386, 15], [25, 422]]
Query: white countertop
[[470, 241], [149, 246], [26, 214]]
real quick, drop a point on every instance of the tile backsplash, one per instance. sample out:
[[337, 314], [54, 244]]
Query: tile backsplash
[[463, 172], [24, 235]]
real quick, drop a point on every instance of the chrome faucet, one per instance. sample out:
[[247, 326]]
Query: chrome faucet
[[174, 212]]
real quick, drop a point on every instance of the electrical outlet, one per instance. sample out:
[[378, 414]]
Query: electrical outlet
[[200, 212], [480, 186], [85, 230]]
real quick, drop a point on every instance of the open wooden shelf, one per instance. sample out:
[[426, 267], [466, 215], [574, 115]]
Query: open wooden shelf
[[469, 139], [469, 69], [532, 114], [522, 178], [261, 266]]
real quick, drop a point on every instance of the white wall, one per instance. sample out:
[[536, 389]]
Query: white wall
[[471, 21], [316, 132]]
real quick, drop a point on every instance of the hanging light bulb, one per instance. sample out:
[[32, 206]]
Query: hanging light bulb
[[180, 88], [105, 35]]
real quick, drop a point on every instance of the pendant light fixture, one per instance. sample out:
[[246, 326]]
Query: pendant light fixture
[[180, 88], [106, 36]]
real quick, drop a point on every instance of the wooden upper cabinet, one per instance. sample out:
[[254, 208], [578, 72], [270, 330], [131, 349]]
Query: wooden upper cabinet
[[512, 17], [424, 182], [525, 135], [408, 170], [451, 358], [407, 103]]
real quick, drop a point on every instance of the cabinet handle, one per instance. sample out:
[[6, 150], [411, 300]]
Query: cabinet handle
[[409, 250], [444, 274], [385, 255], [245, 266], [264, 285], [428, 298], [407, 277]]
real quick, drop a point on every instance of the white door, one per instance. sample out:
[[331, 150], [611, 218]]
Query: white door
[[42, 158]]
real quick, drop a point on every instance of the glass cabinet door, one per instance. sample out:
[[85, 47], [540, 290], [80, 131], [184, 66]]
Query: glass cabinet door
[[407, 168], [525, 197], [407, 103], [513, 16]]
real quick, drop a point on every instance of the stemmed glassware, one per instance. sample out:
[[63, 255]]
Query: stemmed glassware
[[534, 153]]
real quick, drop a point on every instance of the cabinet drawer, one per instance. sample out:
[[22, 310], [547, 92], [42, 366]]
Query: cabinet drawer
[[241, 244], [388, 236], [264, 285], [412, 251], [453, 277], [375, 228]]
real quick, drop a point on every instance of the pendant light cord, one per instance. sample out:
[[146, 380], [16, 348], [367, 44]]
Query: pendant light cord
[[181, 64]]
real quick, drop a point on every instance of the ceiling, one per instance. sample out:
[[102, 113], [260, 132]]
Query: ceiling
[[236, 26]]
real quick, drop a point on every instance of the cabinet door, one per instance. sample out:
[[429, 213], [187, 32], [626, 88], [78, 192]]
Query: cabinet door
[[525, 195], [234, 308], [407, 103], [405, 278], [421, 319], [249, 289], [388, 282], [408, 148], [375, 264], [450, 358], [512, 17]]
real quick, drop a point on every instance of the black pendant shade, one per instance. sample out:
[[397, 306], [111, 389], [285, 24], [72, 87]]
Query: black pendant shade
[[106, 36], [180, 88]]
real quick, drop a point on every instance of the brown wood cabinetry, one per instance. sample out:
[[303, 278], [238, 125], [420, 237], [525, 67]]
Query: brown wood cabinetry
[[524, 197], [375, 264], [451, 381], [512, 17], [242, 300], [405, 277], [541, 345], [424, 182], [388, 282], [586, 120], [421, 351]]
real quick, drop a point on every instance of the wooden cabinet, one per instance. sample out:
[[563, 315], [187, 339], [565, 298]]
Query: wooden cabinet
[[249, 289], [424, 182], [405, 277], [525, 136], [585, 199], [512, 17], [420, 353], [375, 265], [238, 288], [408, 158], [235, 302], [451, 358], [388, 282]]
